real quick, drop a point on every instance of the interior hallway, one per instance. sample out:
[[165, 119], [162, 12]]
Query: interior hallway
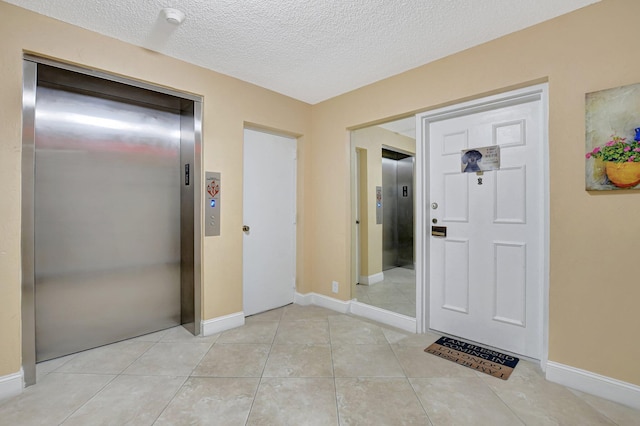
[[298, 366]]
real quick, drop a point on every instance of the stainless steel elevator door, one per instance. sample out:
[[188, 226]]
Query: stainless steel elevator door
[[397, 210], [405, 212], [389, 213], [107, 220]]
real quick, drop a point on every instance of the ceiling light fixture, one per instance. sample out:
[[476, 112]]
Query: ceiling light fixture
[[173, 16]]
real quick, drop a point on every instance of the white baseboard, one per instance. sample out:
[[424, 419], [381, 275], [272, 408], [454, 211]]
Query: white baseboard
[[371, 279], [322, 301], [393, 319], [11, 385], [303, 299], [595, 384], [218, 325]]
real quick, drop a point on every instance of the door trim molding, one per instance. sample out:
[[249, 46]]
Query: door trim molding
[[539, 92]]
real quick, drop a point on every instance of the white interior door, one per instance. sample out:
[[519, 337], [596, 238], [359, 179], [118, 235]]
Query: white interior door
[[486, 275], [269, 210]]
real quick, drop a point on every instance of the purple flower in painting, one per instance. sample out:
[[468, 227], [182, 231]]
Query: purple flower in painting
[[637, 149], [610, 143], [596, 150], [632, 158], [588, 155], [627, 148]]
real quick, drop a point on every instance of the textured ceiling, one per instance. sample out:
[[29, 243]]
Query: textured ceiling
[[310, 50]]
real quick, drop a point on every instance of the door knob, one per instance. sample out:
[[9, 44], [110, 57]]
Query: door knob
[[434, 206], [245, 228]]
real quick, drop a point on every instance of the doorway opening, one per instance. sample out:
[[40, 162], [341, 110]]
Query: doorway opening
[[382, 187], [111, 210], [483, 260]]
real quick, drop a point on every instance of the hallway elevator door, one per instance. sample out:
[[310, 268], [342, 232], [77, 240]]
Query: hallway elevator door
[[107, 249], [397, 210]]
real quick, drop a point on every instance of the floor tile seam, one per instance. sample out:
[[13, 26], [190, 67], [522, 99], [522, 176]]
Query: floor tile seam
[[333, 373], [240, 343], [90, 399], [120, 372], [299, 377], [153, 375], [327, 344], [63, 364], [123, 372], [253, 400], [179, 388], [364, 376], [420, 401], [187, 342], [497, 395], [84, 373], [138, 357], [266, 361], [204, 376], [404, 370], [596, 409], [600, 413], [199, 361]]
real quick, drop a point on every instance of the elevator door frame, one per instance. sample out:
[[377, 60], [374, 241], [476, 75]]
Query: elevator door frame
[[190, 202]]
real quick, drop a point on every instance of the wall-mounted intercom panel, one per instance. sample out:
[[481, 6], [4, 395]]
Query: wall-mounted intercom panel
[[212, 204]]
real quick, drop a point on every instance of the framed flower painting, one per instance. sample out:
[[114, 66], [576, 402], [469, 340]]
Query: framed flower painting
[[613, 139]]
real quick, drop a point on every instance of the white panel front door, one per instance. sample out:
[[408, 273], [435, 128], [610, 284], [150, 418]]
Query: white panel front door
[[269, 209], [486, 275]]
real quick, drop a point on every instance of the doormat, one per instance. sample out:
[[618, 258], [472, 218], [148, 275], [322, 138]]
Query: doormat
[[481, 359]]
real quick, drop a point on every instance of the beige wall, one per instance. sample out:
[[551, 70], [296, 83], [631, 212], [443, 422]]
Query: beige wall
[[594, 285], [371, 140], [228, 104]]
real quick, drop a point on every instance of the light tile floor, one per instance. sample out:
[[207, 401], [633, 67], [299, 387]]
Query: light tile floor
[[396, 293], [293, 366]]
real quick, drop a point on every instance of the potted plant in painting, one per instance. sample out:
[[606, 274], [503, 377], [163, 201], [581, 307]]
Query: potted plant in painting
[[621, 159]]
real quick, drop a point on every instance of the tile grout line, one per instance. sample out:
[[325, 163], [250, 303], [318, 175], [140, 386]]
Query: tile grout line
[[186, 378], [333, 373], [482, 379], [406, 377], [255, 394], [90, 399], [184, 382], [115, 376]]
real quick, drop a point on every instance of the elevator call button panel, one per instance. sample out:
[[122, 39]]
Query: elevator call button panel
[[212, 205], [378, 205]]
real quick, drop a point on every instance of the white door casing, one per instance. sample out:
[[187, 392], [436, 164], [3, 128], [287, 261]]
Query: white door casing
[[269, 210], [487, 276]]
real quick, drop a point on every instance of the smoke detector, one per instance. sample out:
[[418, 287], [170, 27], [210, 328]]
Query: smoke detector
[[173, 16]]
